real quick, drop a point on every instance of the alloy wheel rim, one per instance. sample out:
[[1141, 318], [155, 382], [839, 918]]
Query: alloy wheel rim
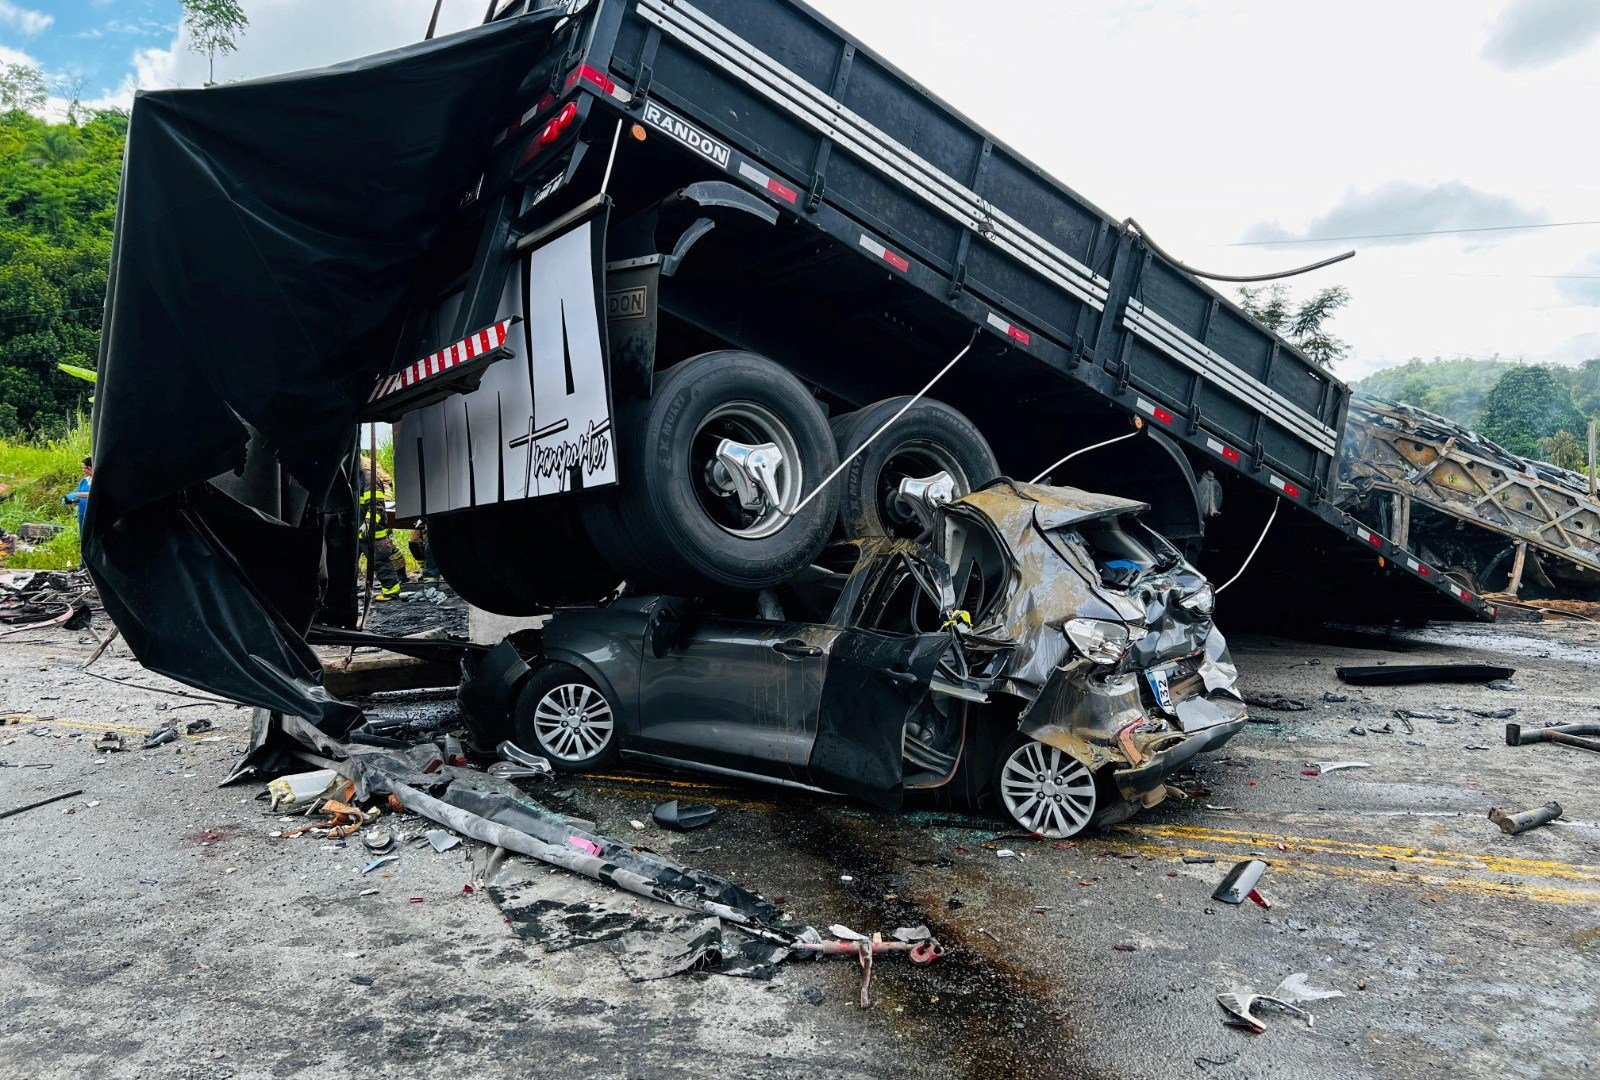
[[1047, 792], [753, 425], [573, 722]]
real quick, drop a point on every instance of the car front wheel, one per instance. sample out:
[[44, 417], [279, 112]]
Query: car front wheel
[[563, 716], [1042, 789]]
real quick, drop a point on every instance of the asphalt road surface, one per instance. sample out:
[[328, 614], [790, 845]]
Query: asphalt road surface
[[153, 926]]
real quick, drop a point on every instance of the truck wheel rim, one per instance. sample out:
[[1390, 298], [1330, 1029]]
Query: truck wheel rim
[[1047, 792], [751, 424], [916, 462], [573, 722]]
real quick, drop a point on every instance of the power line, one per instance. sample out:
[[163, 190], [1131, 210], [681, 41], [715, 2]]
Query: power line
[[1401, 235]]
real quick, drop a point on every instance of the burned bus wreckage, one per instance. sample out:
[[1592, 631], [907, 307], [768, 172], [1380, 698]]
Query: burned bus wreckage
[[670, 306]]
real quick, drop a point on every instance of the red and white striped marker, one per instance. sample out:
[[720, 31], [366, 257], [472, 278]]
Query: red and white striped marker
[[1015, 333], [451, 356], [598, 79], [1417, 568], [1370, 537], [761, 179], [898, 261], [1289, 489], [1229, 454], [1154, 411]]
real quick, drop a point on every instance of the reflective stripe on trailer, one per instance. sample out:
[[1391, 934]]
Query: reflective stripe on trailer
[[600, 80], [451, 356], [1370, 537], [1228, 453], [761, 179], [899, 262], [1016, 333], [1290, 489], [1154, 411], [1418, 568]]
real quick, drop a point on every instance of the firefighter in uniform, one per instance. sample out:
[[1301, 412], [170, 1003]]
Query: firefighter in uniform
[[389, 565]]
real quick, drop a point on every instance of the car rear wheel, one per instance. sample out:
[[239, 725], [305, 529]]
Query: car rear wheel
[[715, 465], [930, 440], [563, 716], [1042, 789]]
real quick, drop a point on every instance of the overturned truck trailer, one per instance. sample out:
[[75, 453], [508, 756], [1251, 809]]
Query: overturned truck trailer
[[631, 278]]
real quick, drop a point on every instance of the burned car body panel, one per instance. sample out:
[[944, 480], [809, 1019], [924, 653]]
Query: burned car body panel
[[1038, 608]]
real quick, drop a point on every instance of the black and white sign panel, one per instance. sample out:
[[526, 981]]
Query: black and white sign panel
[[540, 421]]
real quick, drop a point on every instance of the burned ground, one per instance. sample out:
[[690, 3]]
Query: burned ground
[[164, 932]]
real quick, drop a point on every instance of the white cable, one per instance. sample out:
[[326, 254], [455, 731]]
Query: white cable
[[612, 159], [1075, 453], [1270, 519], [870, 438]]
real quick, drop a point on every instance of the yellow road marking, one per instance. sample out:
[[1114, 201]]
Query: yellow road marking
[[86, 726], [1290, 867], [1504, 864]]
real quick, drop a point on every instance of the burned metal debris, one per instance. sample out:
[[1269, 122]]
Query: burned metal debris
[[1513, 823], [1416, 674], [1585, 736]]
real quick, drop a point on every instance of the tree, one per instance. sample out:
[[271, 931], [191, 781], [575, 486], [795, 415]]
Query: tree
[[214, 27], [21, 87], [1304, 323], [1586, 387], [1528, 404], [1563, 450]]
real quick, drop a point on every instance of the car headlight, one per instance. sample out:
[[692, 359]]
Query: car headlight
[[1203, 601], [1102, 642]]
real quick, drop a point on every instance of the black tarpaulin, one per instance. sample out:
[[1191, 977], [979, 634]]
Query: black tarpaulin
[[267, 235]]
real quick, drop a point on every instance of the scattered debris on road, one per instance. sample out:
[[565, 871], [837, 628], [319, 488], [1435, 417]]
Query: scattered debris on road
[[681, 818], [38, 803], [1414, 674], [1514, 823], [1322, 768], [1583, 736], [1290, 994], [1240, 882]]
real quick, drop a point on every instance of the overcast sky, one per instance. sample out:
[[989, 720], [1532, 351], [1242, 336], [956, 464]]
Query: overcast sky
[[1214, 122]]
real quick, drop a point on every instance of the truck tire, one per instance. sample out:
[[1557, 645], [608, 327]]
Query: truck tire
[[930, 438], [520, 558], [676, 523]]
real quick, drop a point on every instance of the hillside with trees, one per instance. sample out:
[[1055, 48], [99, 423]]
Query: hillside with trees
[[58, 195]]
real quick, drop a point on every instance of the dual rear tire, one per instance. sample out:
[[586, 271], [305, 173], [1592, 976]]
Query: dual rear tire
[[719, 476]]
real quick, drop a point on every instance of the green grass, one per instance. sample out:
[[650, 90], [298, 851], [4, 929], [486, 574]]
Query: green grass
[[37, 472]]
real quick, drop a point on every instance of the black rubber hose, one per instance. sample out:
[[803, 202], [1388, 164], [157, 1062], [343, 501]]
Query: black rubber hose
[[1243, 279]]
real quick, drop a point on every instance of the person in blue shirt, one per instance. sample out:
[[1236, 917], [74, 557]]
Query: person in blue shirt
[[80, 494]]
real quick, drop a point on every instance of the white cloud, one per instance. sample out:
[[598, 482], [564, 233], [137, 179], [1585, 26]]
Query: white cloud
[[1534, 33], [1582, 285], [1394, 213], [24, 20]]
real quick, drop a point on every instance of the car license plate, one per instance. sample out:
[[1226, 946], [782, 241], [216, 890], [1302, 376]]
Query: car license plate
[[1157, 678]]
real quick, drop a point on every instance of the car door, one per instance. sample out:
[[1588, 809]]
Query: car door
[[734, 693]]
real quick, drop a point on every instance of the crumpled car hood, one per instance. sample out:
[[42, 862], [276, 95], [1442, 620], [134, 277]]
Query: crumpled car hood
[[1096, 712]]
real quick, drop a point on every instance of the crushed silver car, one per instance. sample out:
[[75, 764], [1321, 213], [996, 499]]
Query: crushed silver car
[[1039, 648]]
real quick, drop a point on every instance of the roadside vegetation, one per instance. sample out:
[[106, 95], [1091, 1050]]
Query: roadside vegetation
[[35, 472]]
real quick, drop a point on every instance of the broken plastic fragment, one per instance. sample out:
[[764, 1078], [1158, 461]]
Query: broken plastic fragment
[[1240, 882], [912, 933], [1007, 853], [581, 844], [681, 816], [1241, 1005], [380, 861], [441, 840], [1323, 767], [844, 933], [1295, 989]]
